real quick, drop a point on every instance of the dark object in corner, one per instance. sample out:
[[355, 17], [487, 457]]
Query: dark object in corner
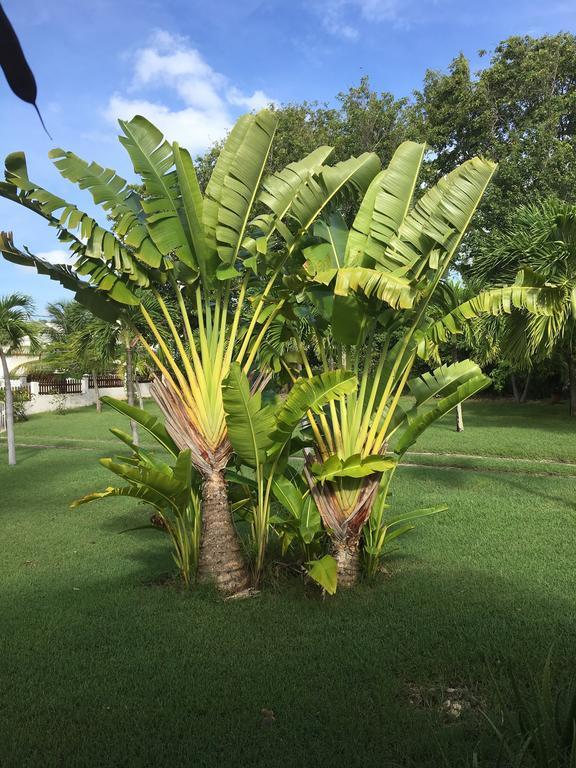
[[15, 67]]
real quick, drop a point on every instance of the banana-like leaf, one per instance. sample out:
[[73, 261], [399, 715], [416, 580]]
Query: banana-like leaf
[[384, 206], [153, 159], [353, 466], [417, 424], [415, 514], [99, 303], [324, 572], [193, 205], [249, 423], [433, 229], [150, 423], [113, 193], [235, 182], [321, 188], [288, 495], [97, 251], [141, 456], [310, 394], [443, 380], [138, 492], [166, 485], [280, 189], [310, 522], [396, 291]]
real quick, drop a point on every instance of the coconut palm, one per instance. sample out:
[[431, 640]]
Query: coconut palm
[[541, 239], [16, 327], [218, 255]]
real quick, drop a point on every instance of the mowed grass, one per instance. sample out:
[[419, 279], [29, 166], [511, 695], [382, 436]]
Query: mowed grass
[[103, 665]]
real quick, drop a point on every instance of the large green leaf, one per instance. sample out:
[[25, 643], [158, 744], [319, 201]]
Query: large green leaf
[[396, 291], [116, 197], [281, 188], [249, 422], [353, 466], [321, 188], [310, 394], [384, 206], [235, 183], [99, 303], [153, 159], [150, 423], [324, 572], [433, 229], [138, 492], [421, 421], [443, 380], [97, 252], [288, 495], [193, 205]]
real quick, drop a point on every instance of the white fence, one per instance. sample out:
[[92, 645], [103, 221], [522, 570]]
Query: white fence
[[66, 394], [2, 417]]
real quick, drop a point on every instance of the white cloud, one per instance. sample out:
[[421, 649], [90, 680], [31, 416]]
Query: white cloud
[[207, 102], [55, 257]]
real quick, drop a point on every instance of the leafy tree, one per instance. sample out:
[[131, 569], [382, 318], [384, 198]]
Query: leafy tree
[[16, 325], [520, 111], [541, 240]]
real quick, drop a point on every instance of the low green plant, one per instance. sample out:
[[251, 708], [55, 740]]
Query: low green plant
[[536, 725], [172, 490], [21, 398]]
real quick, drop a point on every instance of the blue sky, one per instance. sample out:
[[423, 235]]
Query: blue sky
[[193, 67]]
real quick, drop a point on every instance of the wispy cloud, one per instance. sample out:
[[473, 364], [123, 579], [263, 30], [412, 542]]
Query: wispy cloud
[[344, 17], [197, 105]]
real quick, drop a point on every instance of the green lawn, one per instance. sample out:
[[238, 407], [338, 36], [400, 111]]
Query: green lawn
[[102, 665]]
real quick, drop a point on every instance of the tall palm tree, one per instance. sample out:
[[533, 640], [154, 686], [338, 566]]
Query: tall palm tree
[[16, 326], [541, 240]]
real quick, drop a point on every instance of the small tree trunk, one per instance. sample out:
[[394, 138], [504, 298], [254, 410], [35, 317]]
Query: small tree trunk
[[96, 392], [139, 395], [221, 560], [130, 390], [9, 403], [524, 395], [515, 391], [347, 557], [572, 377], [459, 418]]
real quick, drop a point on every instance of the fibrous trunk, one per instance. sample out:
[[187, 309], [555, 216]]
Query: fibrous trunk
[[347, 556], [221, 560]]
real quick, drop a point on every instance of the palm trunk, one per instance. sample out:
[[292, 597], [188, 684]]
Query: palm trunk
[[96, 392], [459, 418], [130, 390], [221, 560], [9, 403], [572, 377], [515, 391], [524, 395], [139, 395], [347, 557]]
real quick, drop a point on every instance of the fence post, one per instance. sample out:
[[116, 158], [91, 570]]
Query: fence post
[[84, 384], [34, 388]]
